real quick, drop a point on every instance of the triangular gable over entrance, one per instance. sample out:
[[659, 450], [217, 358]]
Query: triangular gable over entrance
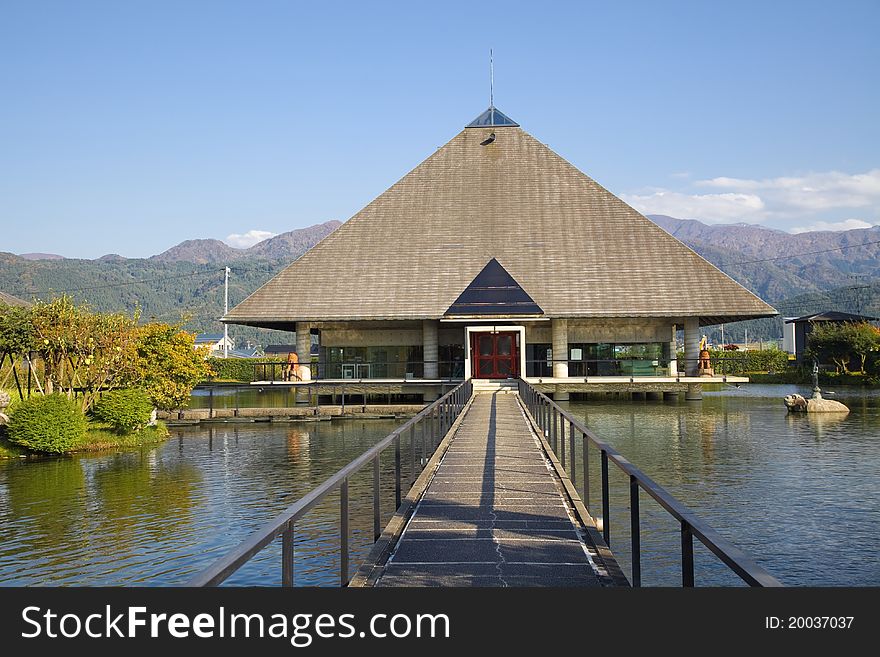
[[494, 292]]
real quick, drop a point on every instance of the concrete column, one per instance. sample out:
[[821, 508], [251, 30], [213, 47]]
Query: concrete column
[[694, 392], [691, 346], [559, 330], [673, 363], [430, 349], [304, 350]]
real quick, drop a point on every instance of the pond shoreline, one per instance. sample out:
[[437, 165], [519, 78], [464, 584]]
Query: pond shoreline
[[96, 440]]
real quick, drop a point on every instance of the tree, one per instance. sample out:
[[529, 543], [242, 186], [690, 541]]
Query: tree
[[167, 364], [16, 340], [82, 351], [839, 341], [863, 339]]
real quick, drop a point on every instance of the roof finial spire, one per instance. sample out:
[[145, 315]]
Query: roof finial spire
[[491, 80]]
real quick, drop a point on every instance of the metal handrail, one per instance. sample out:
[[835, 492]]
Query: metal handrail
[[353, 388], [435, 420], [274, 370], [550, 418]]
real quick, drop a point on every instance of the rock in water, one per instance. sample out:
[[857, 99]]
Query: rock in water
[[797, 404], [825, 406]]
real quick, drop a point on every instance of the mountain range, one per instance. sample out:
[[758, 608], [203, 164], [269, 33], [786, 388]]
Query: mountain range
[[798, 274]]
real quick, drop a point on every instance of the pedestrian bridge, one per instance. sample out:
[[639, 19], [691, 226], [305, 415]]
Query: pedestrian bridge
[[494, 501]]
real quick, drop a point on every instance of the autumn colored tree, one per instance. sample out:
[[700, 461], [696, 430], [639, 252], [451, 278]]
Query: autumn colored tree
[[168, 365]]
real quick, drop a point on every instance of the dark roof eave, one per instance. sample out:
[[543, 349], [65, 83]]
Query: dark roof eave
[[705, 320], [712, 320]]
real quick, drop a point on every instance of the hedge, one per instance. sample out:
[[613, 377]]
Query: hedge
[[50, 423], [125, 410], [736, 363], [238, 369]]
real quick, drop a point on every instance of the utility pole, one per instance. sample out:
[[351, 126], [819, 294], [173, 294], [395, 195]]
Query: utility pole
[[722, 337], [225, 311]]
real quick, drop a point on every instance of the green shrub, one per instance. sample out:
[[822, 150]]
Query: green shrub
[[125, 410], [51, 423], [242, 369]]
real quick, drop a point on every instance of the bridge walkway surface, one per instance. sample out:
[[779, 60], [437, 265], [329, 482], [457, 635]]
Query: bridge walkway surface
[[495, 513]]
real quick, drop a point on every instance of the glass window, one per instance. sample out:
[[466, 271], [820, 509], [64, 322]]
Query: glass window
[[539, 360]]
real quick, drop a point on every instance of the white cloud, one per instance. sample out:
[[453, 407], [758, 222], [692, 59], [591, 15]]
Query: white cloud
[[812, 192], [849, 224], [711, 208], [248, 239]]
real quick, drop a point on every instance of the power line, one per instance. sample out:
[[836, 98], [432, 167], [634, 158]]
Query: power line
[[238, 270], [798, 255], [126, 283]]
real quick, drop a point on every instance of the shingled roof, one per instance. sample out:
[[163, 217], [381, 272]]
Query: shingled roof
[[574, 247]]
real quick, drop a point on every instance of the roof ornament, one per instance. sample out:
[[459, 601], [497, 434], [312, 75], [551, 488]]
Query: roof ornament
[[491, 117], [491, 83]]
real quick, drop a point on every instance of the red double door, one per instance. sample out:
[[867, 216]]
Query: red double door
[[494, 355]]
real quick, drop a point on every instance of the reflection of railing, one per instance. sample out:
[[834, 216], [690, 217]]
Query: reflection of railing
[[362, 370], [635, 367], [600, 367], [236, 396], [434, 421], [551, 419]]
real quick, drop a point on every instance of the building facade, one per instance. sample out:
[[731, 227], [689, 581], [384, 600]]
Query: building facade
[[496, 258]]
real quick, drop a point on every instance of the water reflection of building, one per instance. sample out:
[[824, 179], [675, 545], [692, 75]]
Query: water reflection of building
[[298, 442]]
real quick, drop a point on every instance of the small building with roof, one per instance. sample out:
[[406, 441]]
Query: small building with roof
[[496, 258], [215, 341], [798, 329]]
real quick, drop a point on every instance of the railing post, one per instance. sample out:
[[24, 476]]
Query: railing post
[[635, 531], [571, 463], [287, 556], [435, 428], [343, 532], [377, 509], [606, 521], [555, 442], [687, 555], [412, 450], [397, 471], [562, 442], [425, 421], [586, 456]]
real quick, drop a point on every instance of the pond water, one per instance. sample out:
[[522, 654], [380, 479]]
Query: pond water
[[156, 516], [800, 493]]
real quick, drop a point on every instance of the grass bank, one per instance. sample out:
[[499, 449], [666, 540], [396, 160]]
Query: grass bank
[[99, 437]]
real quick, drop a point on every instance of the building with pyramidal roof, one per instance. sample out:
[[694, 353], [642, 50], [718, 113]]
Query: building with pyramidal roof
[[497, 258]]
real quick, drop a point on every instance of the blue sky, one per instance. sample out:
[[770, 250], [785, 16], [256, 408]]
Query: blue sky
[[127, 127]]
